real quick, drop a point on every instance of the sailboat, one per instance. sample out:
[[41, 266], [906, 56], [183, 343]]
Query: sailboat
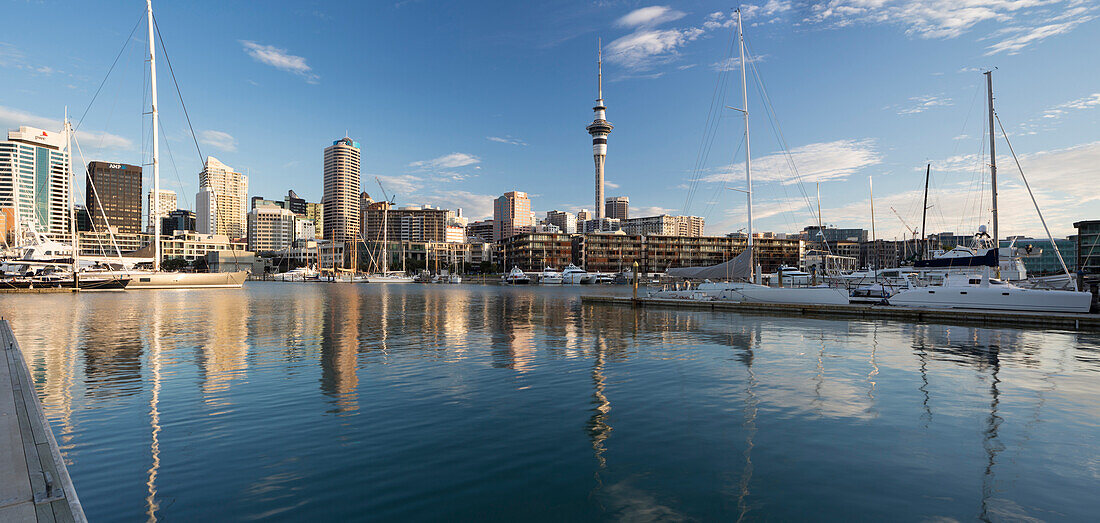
[[387, 276], [742, 265], [964, 289]]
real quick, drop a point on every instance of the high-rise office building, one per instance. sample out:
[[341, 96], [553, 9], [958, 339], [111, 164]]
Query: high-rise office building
[[34, 182], [341, 196], [564, 220], [512, 215], [270, 228], [113, 193], [160, 206], [294, 203], [222, 202], [617, 207], [599, 129], [315, 212], [177, 220], [480, 230]]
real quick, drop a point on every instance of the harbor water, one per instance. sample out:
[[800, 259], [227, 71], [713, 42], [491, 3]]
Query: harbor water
[[288, 401]]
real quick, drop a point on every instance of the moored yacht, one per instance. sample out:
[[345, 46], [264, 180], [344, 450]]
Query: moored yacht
[[516, 277], [967, 291], [576, 275], [549, 276]]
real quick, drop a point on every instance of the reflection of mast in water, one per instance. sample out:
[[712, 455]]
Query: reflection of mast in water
[[923, 355], [874, 366], [154, 411], [751, 409], [819, 378], [598, 428], [991, 443]]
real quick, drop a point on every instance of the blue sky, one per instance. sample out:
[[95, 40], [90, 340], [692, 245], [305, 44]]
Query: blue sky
[[455, 103]]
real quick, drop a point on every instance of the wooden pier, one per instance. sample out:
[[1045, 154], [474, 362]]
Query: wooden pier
[[34, 482], [1082, 322]]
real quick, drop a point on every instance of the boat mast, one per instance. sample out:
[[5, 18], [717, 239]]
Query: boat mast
[[156, 146], [992, 159], [72, 200], [748, 156], [385, 236], [874, 243], [924, 213]]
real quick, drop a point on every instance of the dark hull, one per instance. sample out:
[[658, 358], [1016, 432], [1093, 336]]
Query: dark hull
[[90, 285]]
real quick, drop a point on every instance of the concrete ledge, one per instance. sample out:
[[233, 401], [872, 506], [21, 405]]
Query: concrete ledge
[[34, 482], [1084, 322]]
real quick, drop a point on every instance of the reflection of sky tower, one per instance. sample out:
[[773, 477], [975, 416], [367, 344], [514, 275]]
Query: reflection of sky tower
[[599, 129]]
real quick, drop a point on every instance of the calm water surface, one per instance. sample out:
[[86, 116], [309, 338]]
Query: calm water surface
[[338, 401]]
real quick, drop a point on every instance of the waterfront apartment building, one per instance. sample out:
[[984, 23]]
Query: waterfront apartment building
[[536, 251], [617, 207], [512, 215], [409, 223], [113, 193], [564, 220], [832, 235], [664, 225], [480, 230], [341, 191], [160, 205], [34, 182], [880, 254], [222, 202], [609, 252]]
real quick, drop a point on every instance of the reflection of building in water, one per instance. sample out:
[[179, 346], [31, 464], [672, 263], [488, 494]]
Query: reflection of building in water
[[50, 349], [224, 353], [513, 332], [598, 428], [113, 350], [339, 346]]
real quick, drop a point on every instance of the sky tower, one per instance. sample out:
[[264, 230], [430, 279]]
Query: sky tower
[[599, 129]]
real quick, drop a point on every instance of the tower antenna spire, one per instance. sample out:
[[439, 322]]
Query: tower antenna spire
[[599, 66]]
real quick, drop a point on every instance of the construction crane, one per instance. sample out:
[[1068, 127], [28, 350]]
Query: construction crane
[[911, 230]]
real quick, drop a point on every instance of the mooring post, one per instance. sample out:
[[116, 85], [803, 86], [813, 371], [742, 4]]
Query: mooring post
[[635, 282]]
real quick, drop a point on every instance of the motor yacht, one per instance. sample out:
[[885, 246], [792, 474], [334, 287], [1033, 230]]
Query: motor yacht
[[549, 276], [576, 275], [966, 291], [516, 277]]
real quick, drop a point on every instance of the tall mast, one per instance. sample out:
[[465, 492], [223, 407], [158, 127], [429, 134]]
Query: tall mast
[[72, 199], [924, 213], [385, 237], [871, 192], [992, 158], [156, 144], [748, 155]]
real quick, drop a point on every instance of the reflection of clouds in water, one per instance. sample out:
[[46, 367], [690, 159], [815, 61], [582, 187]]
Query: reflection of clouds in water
[[625, 502]]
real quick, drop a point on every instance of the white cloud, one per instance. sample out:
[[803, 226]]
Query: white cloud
[[1029, 21], [734, 63], [474, 206], [641, 212], [649, 16], [816, 162], [219, 140], [647, 47], [608, 183], [404, 184], [506, 139], [89, 140], [449, 161], [1088, 102], [280, 59], [920, 104]]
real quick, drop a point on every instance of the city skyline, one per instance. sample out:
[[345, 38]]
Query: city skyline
[[883, 110]]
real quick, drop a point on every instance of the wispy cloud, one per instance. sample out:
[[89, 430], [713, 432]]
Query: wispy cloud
[[816, 162], [920, 104], [734, 63], [89, 140], [649, 16], [220, 140], [280, 59], [1027, 21], [506, 139], [1060, 110], [448, 161]]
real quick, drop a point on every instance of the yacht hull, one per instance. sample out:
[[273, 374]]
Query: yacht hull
[[753, 293], [187, 280], [993, 298]]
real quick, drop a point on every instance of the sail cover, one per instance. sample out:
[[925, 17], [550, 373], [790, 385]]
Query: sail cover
[[739, 268]]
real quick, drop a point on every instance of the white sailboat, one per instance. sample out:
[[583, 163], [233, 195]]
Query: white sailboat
[[157, 278], [970, 291], [744, 291], [386, 275]]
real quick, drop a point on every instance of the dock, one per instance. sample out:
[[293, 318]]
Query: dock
[[34, 482], [1043, 320]]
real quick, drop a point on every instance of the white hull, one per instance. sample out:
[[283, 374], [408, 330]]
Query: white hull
[[388, 278], [994, 298], [550, 280], [753, 293], [185, 280]]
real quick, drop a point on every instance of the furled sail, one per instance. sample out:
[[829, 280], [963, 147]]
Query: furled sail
[[739, 268]]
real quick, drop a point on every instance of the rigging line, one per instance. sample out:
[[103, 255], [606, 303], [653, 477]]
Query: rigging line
[[95, 194], [714, 201], [172, 160], [773, 122], [172, 73], [714, 114], [977, 91], [112, 68], [778, 129]]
